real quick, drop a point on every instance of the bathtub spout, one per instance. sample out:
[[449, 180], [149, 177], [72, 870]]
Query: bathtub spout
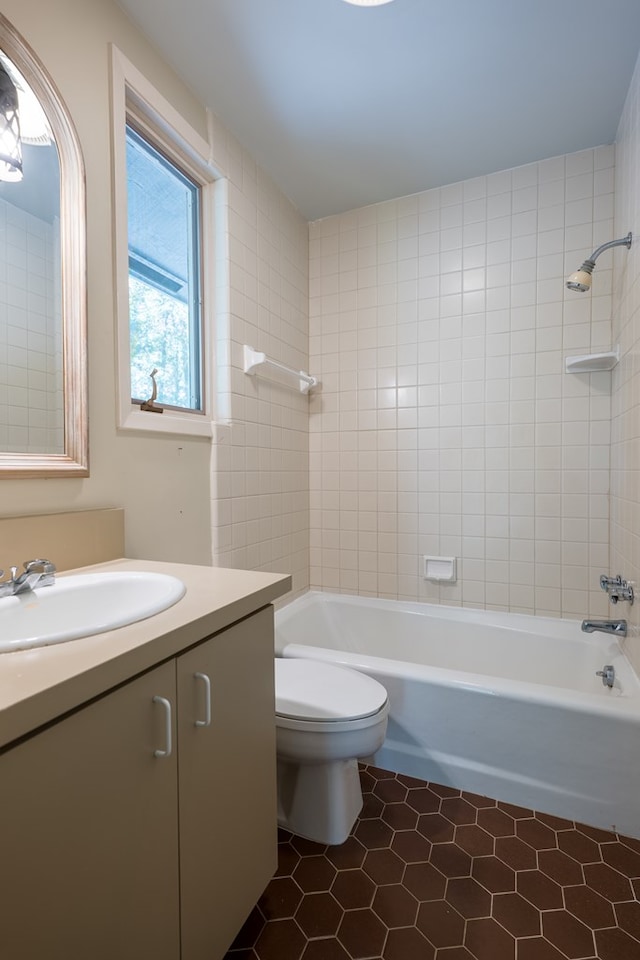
[[617, 627]]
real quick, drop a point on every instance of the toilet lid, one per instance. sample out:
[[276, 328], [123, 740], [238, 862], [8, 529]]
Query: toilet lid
[[313, 690]]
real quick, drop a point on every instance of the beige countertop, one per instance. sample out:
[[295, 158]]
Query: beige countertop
[[39, 685]]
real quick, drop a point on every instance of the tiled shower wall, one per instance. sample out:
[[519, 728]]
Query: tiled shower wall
[[445, 425], [260, 479], [31, 414], [625, 446]]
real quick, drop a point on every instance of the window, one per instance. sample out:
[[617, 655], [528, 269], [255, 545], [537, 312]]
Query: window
[[163, 210], [170, 206]]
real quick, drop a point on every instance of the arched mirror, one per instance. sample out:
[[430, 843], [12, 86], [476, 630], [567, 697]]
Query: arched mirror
[[43, 394]]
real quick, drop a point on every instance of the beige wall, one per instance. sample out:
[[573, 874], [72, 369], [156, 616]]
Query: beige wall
[[179, 495], [625, 446], [162, 483], [446, 425]]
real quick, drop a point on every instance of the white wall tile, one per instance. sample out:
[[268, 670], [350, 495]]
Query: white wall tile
[[467, 326], [260, 459], [625, 412]]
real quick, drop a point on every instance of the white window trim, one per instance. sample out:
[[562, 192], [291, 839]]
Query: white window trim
[[133, 94]]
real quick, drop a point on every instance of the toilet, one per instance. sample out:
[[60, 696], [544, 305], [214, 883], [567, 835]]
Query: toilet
[[327, 717]]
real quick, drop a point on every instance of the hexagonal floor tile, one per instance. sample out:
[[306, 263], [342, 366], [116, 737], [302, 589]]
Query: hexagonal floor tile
[[353, 889], [515, 853], [495, 875], [407, 944], [608, 882], [411, 846], [469, 898], [325, 950], [628, 916], [516, 915], [395, 906], [539, 890], [436, 828], [440, 923], [451, 860], [474, 840], [568, 934], [288, 859], [319, 915], [348, 856], [487, 940], [589, 907], [615, 944], [559, 867], [458, 811], [400, 816], [314, 874], [622, 859], [374, 834], [280, 940], [575, 844], [535, 833], [281, 899], [496, 822], [362, 934], [372, 806], [423, 800], [433, 873], [424, 881], [390, 791], [383, 866]]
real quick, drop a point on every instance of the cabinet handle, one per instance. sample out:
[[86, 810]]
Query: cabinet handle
[[207, 700], [164, 754]]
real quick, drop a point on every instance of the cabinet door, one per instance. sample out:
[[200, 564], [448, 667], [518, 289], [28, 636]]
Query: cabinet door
[[88, 838], [227, 783]]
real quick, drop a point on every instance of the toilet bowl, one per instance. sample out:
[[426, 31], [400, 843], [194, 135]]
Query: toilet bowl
[[327, 717]]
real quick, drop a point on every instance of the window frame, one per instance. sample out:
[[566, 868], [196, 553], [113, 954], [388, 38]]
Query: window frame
[[137, 102]]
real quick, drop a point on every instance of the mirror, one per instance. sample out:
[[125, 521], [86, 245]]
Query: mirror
[[43, 383]]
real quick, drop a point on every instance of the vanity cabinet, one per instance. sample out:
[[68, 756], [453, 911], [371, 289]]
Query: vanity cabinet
[[228, 815], [108, 850]]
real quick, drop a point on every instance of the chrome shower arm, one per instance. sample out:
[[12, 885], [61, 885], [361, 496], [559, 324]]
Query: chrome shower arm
[[623, 242]]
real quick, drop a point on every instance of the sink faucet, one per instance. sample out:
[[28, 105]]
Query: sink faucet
[[37, 573], [617, 627]]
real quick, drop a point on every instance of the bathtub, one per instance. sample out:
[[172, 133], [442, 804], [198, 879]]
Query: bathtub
[[503, 705]]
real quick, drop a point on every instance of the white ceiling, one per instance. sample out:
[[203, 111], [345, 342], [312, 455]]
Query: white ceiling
[[347, 105]]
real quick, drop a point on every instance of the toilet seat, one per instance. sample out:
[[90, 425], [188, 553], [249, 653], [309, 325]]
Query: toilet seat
[[309, 691]]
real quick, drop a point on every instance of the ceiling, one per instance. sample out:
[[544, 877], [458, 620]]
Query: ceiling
[[345, 105]]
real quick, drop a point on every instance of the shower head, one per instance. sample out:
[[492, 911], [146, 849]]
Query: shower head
[[580, 281]]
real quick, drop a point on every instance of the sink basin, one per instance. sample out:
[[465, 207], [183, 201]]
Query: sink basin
[[83, 604]]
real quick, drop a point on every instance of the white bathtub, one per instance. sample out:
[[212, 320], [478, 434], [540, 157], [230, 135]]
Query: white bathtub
[[504, 705]]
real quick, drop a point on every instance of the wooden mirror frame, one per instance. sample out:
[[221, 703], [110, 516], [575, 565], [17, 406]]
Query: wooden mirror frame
[[74, 462]]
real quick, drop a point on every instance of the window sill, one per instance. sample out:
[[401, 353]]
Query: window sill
[[169, 422]]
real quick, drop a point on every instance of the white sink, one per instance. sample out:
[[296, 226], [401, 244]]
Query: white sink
[[83, 604]]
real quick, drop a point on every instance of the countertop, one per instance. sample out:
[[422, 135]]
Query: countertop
[[39, 685]]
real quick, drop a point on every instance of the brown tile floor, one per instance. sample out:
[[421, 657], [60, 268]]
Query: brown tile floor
[[430, 873]]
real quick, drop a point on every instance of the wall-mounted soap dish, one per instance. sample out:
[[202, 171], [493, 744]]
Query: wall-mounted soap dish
[[592, 362], [439, 568]]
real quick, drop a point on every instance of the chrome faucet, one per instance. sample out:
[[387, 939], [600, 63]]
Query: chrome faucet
[[617, 588], [617, 627], [37, 573]]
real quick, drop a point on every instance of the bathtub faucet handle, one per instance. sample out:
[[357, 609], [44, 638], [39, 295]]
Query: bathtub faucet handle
[[607, 583], [608, 675], [618, 588]]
